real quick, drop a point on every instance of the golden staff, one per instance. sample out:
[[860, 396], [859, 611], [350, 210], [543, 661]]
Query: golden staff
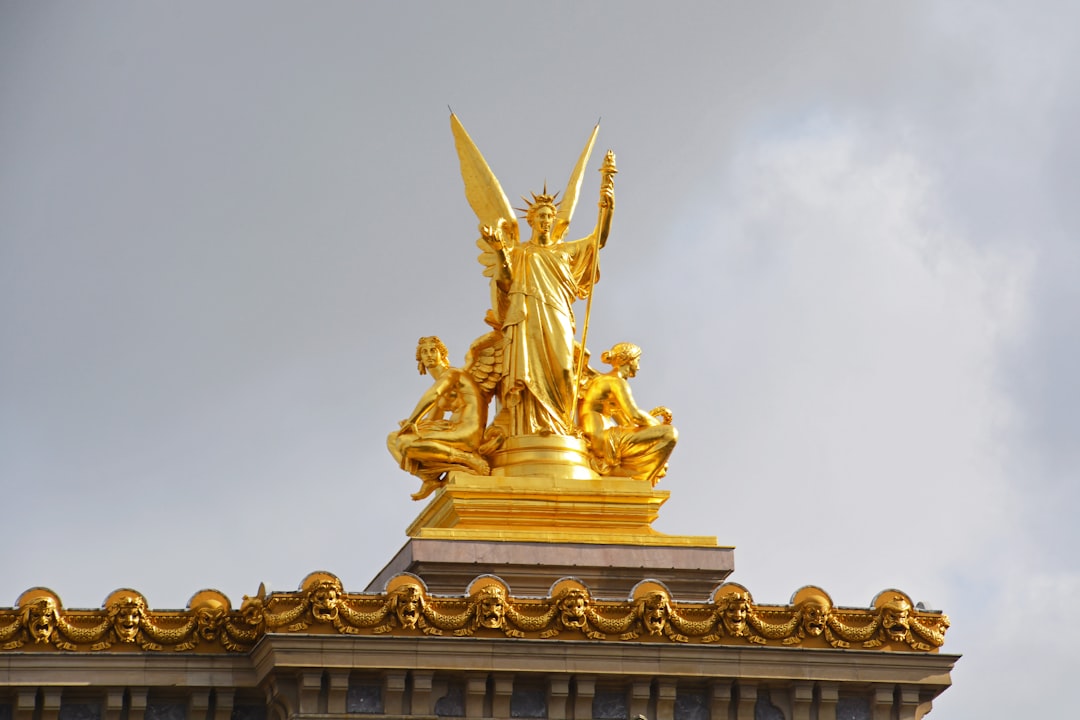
[[607, 182]]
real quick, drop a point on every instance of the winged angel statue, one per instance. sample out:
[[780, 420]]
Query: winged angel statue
[[528, 361]]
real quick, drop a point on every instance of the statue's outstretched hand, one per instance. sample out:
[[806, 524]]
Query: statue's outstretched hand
[[491, 236]]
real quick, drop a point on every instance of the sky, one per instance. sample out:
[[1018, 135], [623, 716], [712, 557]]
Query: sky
[[846, 236]]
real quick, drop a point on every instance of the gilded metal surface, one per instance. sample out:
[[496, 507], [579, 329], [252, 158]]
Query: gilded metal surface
[[530, 364], [447, 430], [551, 509], [39, 622], [624, 439]]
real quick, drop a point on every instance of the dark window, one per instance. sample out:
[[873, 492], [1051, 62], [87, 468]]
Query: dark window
[[80, 711], [691, 705], [365, 698], [853, 708], [610, 705], [452, 704], [528, 702]]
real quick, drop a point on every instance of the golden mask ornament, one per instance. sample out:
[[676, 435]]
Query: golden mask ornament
[[126, 609], [40, 623], [40, 615], [211, 609]]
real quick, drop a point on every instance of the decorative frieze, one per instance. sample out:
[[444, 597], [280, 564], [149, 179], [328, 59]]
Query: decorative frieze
[[39, 622]]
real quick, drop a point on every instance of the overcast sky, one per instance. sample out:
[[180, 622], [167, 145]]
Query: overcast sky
[[846, 237]]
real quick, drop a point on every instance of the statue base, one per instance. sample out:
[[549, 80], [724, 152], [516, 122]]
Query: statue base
[[543, 455], [448, 567], [548, 509]]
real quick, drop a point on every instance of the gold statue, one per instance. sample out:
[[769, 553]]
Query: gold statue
[[446, 429], [625, 440], [534, 287], [533, 365]]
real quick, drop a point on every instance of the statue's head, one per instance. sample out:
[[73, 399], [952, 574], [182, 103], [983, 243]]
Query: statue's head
[[431, 353], [623, 355], [489, 601], [736, 610], [541, 214], [253, 609], [653, 609], [895, 617], [407, 602], [324, 593], [406, 599], [126, 610], [815, 610], [573, 604], [39, 612], [491, 607], [210, 609], [733, 606]]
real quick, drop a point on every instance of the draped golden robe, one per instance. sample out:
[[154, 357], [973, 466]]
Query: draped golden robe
[[537, 390]]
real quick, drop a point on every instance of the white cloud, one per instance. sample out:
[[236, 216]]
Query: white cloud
[[853, 338]]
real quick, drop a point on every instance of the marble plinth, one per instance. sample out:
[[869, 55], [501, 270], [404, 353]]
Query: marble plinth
[[530, 569]]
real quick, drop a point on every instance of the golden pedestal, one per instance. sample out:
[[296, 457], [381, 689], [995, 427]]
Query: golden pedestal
[[608, 511], [543, 455], [544, 514]]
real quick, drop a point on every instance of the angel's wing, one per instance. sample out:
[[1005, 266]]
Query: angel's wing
[[573, 186], [482, 189], [484, 361], [487, 258]]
